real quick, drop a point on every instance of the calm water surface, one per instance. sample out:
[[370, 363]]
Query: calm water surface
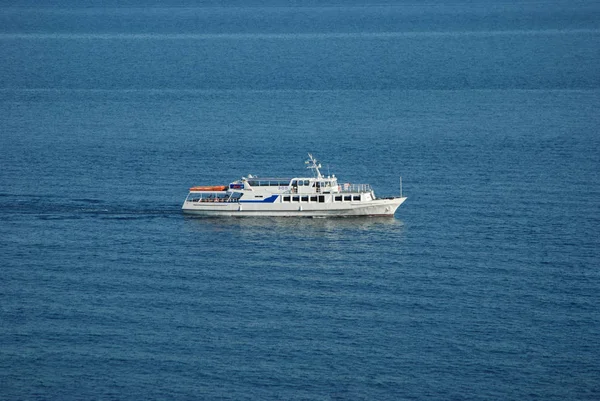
[[483, 286]]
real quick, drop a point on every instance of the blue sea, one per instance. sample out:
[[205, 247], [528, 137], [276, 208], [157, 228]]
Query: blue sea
[[485, 285]]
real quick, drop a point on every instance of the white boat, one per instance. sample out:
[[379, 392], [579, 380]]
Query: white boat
[[316, 196]]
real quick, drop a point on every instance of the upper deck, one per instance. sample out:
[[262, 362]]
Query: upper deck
[[297, 185]]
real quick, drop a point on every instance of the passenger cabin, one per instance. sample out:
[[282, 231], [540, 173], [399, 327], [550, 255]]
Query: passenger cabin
[[293, 185]]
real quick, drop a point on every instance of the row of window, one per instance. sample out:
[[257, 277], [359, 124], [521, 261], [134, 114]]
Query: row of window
[[320, 198], [285, 183], [346, 198], [269, 183], [304, 198], [306, 183]]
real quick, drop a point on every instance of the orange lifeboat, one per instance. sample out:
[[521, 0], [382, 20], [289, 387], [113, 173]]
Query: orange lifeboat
[[210, 188]]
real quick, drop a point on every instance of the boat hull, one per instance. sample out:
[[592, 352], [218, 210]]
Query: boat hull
[[377, 207]]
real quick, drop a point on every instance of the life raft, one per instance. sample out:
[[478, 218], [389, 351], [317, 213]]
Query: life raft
[[210, 188]]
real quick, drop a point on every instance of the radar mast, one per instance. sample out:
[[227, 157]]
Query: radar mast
[[313, 164]]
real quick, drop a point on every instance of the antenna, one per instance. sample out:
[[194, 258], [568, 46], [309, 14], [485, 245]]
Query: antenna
[[314, 165], [401, 186]]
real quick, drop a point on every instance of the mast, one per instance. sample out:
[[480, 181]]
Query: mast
[[401, 186], [313, 164]]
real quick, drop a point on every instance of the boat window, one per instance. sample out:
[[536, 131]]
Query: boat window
[[306, 183], [338, 198], [347, 197], [294, 182], [321, 199], [286, 198], [296, 199], [301, 183], [356, 197], [313, 198], [305, 199]]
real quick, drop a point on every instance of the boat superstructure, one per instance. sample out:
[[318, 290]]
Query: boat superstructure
[[316, 196]]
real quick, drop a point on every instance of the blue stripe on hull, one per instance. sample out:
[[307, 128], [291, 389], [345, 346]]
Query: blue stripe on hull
[[270, 199]]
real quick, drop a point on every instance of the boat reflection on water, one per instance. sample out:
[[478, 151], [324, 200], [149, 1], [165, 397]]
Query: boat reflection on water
[[295, 249], [352, 228]]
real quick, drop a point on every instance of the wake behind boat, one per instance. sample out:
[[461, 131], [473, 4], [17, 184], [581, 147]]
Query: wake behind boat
[[316, 196]]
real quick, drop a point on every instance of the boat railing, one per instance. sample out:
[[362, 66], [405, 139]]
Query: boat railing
[[347, 187], [214, 200], [198, 197]]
